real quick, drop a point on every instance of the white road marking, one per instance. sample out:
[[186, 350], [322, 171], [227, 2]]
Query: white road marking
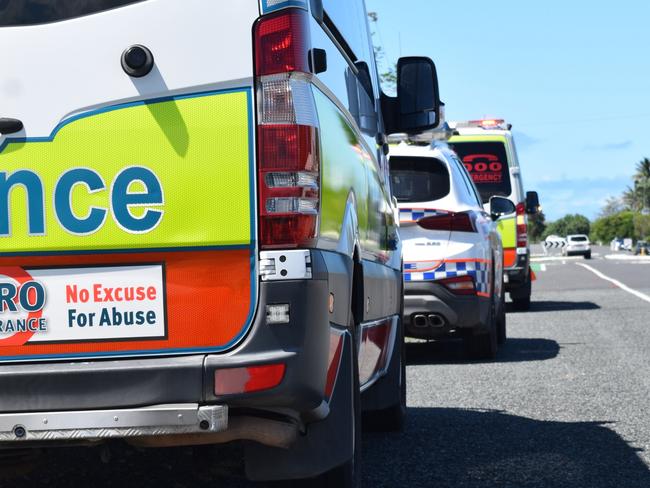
[[622, 286], [542, 267]]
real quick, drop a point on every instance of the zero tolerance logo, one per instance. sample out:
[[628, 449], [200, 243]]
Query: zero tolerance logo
[[87, 304], [20, 295]]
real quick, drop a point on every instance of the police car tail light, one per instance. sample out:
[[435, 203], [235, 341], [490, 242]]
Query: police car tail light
[[459, 285], [449, 221], [287, 133], [522, 228]]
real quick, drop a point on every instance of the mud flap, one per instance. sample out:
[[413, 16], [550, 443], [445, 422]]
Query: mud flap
[[325, 445]]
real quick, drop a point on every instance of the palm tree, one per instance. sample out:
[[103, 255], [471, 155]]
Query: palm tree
[[642, 184]]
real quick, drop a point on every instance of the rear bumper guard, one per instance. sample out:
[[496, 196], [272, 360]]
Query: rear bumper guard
[[186, 418]]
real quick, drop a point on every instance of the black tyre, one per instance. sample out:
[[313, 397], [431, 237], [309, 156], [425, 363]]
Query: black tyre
[[588, 255], [521, 297], [501, 321], [483, 344]]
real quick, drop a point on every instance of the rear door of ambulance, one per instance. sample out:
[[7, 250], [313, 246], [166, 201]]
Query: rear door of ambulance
[[127, 215]]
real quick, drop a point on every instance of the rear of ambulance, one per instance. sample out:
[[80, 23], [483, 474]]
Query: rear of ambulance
[[131, 303]]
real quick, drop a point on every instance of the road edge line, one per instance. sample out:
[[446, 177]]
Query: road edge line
[[622, 286]]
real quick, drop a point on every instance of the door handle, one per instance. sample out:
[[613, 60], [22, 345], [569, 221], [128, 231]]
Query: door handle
[[9, 126]]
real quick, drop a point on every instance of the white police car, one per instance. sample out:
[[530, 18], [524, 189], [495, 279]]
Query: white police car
[[453, 257]]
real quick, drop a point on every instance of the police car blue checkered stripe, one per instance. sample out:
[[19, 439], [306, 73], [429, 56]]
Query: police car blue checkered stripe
[[476, 269], [415, 214]]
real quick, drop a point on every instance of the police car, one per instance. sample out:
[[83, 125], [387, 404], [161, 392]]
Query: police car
[[452, 251], [487, 149], [198, 243]]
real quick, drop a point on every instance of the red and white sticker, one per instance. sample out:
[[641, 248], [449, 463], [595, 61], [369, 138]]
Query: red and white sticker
[[81, 304]]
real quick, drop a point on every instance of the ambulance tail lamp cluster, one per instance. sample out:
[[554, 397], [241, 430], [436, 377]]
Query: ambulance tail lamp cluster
[[522, 228], [449, 221], [287, 132]]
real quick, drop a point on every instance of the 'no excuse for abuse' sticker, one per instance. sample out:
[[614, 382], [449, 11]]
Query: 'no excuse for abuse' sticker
[[81, 304]]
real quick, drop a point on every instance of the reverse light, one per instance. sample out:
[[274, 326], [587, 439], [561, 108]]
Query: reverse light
[[231, 381], [449, 221], [459, 285], [287, 134]]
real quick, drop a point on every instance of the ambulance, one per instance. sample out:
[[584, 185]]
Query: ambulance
[[487, 149], [198, 242]]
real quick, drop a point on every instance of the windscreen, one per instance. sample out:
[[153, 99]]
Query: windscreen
[[578, 239], [418, 179], [487, 163], [29, 12]]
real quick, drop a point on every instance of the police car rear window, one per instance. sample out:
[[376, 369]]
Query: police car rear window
[[30, 12], [487, 163], [418, 179]]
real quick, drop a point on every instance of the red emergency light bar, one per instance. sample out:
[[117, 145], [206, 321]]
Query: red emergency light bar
[[485, 124]]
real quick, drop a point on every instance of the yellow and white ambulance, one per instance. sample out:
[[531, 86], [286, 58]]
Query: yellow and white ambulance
[[198, 243], [487, 149]]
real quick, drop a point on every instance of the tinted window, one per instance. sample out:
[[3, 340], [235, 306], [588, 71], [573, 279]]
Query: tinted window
[[578, 239], [487, 163], [418, 179], [348, 20], [471, 188], [28, 12]]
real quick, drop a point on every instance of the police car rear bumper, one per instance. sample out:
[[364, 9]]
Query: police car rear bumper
[[430, 298]]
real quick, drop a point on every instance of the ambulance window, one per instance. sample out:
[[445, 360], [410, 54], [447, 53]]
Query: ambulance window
[[29, 12], [416, 179], [487, 164]]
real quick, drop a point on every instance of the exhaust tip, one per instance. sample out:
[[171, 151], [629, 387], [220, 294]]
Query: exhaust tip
[[435, 320], [419, 321]]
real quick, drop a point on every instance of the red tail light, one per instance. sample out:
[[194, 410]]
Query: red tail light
[[522, 228], [287, 134], [450, 221], [282, 43], [460, 285]]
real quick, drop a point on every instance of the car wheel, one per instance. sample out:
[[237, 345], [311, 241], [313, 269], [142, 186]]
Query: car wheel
[[588, 255], [501, 322], [483, 344], [521, 297]]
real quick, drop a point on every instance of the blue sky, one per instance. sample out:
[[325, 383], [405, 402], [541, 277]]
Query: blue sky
[[573, 77]]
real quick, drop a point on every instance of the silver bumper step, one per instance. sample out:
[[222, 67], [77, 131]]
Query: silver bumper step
[[186, 418]]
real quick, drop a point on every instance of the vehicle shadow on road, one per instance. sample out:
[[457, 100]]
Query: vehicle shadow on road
[[447, 447], [452, 351], [554, 306]]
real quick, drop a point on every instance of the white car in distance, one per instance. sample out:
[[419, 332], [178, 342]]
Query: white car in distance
[[577, 245]]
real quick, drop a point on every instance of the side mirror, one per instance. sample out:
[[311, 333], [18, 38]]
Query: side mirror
[[417, 105], [532, 202], [500, 206]]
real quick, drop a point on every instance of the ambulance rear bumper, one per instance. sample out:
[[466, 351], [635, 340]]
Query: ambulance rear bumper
[[92, 425]]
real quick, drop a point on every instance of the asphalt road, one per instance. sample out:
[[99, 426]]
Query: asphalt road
[[564, 405]]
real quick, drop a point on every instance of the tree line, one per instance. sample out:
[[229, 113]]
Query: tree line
[[620, 217]]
